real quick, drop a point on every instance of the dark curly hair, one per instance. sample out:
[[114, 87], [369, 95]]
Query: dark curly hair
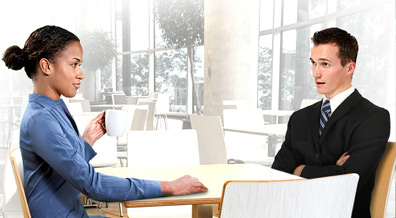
[[46, 42], [347, 44]]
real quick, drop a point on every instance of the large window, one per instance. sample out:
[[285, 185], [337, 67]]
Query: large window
[[284, 74], [146, 63]]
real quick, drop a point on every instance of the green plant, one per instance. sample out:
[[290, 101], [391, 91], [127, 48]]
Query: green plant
[[182, 25], [99, 49]]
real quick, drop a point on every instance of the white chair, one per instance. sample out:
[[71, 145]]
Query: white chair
[[249, 148], [74, 107], [86, 106], [7, 182], [119, 98], [162, 148], [162, 109], [212, 149], [139, 119], [235, 104], [137, 116], [14, 155], [325, 197], [151, 111]]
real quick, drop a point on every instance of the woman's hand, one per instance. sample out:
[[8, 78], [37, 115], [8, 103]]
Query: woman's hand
[[95, 129], [182, 186]]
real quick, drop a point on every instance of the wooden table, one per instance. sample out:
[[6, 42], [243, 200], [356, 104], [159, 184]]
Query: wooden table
[[212, 176]]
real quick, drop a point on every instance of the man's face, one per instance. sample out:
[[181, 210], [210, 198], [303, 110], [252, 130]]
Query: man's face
[[330, 76]]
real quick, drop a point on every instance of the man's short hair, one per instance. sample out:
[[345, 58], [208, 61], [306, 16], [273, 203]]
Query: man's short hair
[[347, 44]]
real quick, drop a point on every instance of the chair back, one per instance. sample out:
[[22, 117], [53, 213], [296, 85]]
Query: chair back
[[151, 112], [119, 98], [211, 142], [162, 104], [325, 197], [163, 148], [235, 104], [139, 119], [383, 179], [74, 107], [17, 175], [86, 106]]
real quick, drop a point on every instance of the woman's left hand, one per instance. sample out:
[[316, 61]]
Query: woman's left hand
[[95, 129]]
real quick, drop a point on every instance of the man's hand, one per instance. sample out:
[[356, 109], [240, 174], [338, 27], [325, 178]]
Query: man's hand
[[341, 161], [298, 170], [94, 129], [182, 186]]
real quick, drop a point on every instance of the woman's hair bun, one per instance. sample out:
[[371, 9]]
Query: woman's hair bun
[[14, 58]]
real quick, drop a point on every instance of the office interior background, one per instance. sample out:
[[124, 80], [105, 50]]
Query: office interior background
[[254, 50]]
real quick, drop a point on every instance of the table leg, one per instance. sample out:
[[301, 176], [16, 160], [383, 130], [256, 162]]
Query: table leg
[[202, 211]]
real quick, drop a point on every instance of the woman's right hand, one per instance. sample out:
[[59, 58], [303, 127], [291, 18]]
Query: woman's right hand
[[95, 129]]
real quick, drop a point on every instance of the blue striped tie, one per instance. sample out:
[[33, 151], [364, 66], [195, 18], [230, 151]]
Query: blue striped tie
[[325, 115]]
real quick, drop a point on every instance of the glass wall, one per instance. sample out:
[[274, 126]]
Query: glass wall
[[285, 46], [156, 64]]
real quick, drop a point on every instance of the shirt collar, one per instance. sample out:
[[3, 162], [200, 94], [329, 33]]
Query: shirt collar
[[338, 99], [43, 100]]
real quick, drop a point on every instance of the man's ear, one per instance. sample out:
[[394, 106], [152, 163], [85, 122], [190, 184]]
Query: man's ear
[[45, 66], [351, 67]]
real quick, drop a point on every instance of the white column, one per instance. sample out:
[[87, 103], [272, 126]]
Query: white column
[[231, 53]]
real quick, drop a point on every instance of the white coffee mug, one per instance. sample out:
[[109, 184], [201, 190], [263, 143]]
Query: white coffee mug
[[116, 121]]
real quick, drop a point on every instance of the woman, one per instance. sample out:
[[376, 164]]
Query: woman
[[55, 155]]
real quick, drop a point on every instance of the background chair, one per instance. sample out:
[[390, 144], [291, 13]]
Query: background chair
[[161, 109], [163, 148], [151, 111], [235, 104], [86, 106], [212, 149], [119, 98], [137, 116], [249, 148], [383, 180], [74, 107], [325, 197], [7, 183]]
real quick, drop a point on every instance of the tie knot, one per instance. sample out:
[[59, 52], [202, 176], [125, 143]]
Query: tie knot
[[326, 107]]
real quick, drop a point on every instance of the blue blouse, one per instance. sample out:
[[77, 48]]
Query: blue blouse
[[56, 168]]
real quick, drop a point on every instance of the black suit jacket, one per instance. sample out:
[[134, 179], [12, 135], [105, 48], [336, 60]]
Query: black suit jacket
[[357, 126]]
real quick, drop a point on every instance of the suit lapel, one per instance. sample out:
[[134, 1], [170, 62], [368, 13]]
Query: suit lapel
[[313, 116], [345, 107]]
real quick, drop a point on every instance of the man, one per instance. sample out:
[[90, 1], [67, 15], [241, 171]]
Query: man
[[348, 134]]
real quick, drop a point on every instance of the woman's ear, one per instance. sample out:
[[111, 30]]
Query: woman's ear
[[45, 66]]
